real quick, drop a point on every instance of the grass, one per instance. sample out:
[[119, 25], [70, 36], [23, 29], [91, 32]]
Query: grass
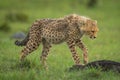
[[106, 46]]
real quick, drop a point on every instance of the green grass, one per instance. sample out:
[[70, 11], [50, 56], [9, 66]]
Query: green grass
[[106, 46]]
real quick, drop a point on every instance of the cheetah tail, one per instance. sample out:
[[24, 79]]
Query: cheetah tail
[[23, 42]]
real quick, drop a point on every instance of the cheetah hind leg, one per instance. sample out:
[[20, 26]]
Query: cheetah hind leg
[[45, 51], [31, 46]]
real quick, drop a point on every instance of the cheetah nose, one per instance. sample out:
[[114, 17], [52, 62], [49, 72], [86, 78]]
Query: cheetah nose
[[94, 37]]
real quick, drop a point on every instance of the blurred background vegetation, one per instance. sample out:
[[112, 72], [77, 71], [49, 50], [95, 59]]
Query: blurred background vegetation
[[14, 12], [18, 15]]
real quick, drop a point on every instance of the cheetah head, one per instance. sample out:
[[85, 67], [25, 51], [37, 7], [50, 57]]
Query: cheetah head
[[86, 25], [89, 27]]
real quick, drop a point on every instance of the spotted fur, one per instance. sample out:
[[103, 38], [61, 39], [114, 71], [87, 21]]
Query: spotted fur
[[69, 29]]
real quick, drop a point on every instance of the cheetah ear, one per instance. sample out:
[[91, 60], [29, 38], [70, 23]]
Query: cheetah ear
[[88, 21]]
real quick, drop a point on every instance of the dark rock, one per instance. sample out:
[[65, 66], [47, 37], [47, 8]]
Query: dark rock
[[105, 65], [18, 35], [77, 67]]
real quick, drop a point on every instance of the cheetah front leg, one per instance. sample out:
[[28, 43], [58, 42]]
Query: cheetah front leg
[[75, 56], [45, 51], [80, 44]]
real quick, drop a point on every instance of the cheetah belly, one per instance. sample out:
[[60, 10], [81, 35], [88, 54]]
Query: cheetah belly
[[54, 37]]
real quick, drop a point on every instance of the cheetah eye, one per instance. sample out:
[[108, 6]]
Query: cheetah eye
[[92, 31]]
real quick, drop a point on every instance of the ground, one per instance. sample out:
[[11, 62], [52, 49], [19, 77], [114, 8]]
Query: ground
[[105, 46]]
